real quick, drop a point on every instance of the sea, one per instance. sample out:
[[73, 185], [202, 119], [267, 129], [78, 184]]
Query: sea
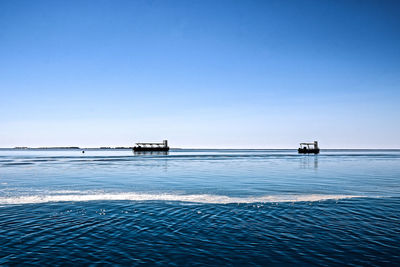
[[193, 207]]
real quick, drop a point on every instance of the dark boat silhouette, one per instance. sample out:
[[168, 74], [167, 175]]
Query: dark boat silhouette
[[151, 146], [308, 148]]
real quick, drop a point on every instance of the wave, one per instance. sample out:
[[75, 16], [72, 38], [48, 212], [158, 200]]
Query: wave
[[195, 198]]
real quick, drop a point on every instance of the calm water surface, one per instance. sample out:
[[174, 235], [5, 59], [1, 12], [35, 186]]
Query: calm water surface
[[213, 207]]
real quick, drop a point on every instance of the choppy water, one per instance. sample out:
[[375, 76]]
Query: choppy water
[[199, 207]]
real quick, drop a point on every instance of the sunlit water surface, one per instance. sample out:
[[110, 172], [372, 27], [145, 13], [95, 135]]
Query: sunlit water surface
[[190, 207]]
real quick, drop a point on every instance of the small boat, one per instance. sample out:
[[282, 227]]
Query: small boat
[[151, 146], [309, 148]]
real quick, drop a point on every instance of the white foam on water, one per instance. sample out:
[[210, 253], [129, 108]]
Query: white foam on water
[[200, 198], [71, 192]]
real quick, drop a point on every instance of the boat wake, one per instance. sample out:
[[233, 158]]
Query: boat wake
[[194, 198]]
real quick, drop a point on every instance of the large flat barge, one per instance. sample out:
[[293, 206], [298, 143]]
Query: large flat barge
[[151, 146]]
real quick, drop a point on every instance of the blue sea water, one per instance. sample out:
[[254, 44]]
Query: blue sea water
[[199, 207]]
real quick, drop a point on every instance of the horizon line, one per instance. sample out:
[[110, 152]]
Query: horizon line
[[179, 148]]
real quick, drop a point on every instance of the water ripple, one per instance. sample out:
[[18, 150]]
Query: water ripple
[[121, 232]]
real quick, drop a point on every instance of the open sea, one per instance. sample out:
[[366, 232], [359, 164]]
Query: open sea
[[199, 207]]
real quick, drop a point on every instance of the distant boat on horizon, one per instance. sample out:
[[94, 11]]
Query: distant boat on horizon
[[306, 149], [152, 146]]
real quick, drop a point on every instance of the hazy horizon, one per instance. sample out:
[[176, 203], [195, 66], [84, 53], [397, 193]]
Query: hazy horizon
[[202, 74], [194, 148]]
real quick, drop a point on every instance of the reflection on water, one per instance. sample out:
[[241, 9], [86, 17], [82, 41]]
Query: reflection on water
[[163, 163], [309, 161], [152, 153]]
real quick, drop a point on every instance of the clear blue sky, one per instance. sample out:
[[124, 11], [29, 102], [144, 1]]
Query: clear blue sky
[[234, 74]]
